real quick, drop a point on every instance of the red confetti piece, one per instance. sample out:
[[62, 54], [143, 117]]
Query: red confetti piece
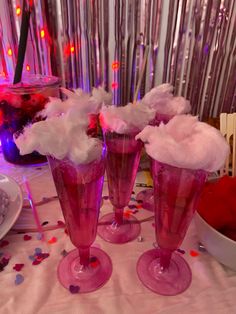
[[139, 206], [27, 237], [4, 243], [52, 240], [35, 262], [194, 253], [18, 267]]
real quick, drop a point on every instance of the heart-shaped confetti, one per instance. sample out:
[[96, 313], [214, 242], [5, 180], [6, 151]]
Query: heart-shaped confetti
[[4, 243], [52, 240], [194, 253], [60, 223], [18, 267], [27, 237], [19, 279], [74, 289]]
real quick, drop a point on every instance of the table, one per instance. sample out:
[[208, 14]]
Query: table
[[213, 287]]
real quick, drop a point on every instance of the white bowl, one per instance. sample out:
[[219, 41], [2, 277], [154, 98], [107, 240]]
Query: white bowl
[[218, 245]]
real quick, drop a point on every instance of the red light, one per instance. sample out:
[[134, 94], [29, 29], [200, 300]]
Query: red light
[[42, 33], [9, 52], [27, 68], [114, 85], [115, 65], [18, 10], [72, 49]]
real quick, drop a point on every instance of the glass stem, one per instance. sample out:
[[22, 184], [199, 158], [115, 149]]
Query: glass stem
[[84, 254], [165, 257], [119, 215]]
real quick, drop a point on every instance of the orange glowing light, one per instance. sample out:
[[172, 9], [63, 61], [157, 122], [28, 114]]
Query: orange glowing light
[[27, 68], [115, 65], [72, 49], [114, 85], [18, 10], [42, 33], [9, 52]]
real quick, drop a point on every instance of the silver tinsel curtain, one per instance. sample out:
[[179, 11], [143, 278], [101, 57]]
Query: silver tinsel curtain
[[189, 43]]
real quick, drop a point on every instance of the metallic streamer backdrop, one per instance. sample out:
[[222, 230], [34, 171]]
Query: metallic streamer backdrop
[[189, 43]]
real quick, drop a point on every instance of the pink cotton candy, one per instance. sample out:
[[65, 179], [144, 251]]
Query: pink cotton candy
[[185, 142]]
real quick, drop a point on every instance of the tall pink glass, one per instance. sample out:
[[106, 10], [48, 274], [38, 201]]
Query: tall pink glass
[[79, 189], [176, 195], [146, 196], [123, 156]]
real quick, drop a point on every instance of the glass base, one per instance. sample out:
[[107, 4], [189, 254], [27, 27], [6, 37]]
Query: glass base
[[172, 281], [147, 198], [72, 275], [112, 232]]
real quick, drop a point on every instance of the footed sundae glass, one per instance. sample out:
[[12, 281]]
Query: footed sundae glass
[[123, 156], [146, 196], [79, 189], [176, 195]]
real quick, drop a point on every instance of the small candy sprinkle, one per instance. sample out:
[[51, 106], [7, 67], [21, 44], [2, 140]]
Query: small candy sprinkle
[[52, 240], [74, 289], [27, 237], [38, 250], [44, 223], [60, 223], [19, 279], [64, 253], [45, 255], [105, 198], [140, 239], [39, 236], [4, 243], [194, 253], [18, 267], [181, 251]]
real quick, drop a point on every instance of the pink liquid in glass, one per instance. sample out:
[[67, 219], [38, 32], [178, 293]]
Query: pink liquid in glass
[[122, 164], [80, 199]]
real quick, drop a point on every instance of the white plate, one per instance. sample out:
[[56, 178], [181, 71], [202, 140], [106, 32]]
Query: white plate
[[13, 190]]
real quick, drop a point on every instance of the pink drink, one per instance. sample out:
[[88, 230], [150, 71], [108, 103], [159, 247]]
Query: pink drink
[[177, 192], [122, 164], [80, 198]]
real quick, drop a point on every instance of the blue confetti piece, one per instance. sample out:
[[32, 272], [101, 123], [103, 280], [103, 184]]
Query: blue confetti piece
[[38, 250], [39, 236], [19, 279], [32, 257]]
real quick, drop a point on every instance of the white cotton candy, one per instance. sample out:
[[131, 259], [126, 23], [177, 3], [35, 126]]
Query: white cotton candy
[[61, 137], [161, 99], [126, 119], [185, 142], [88, 104]]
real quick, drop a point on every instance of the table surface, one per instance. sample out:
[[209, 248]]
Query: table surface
[[213, 287]]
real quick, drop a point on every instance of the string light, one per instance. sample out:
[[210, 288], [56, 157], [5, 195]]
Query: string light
[[9, 52], [114, 85], [27, 67], [115, 65], [18, 11], [72, 49], [42, 33]]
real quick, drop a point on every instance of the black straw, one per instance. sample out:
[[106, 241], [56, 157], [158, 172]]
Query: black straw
[[22, 43]]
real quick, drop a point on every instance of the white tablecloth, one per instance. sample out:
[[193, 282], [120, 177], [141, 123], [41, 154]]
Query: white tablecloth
[[213, 287]]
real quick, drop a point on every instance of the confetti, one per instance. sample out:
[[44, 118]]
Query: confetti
[[194, 253], [31, 257], [64, 253], [35, 262], [39, 236], [38, 250], [52, 240], [4, 243], [18, 267], [19, 279], [140, 239], [44, 223], [94, 262], [27, 237], [139, 206], [181, 251], [60, 223], [74, 289], [126, 214]]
